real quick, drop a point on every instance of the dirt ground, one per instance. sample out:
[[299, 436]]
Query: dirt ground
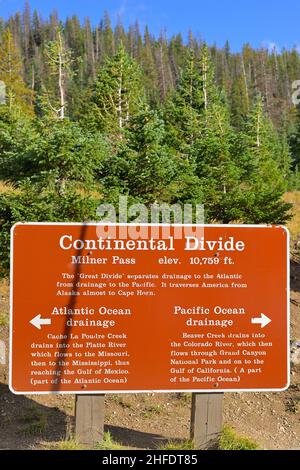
[[148, 421]]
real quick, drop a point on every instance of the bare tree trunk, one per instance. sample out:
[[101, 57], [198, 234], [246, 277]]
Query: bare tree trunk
[[32, 83], [255, 78], [127, 111], [163, 77], [61, 91], [10, 94], [245, 81], [204, 63], [97, 45], [61, 79], [258, 132], [33, 78], [120, 107], [265, 81], [93, 60]]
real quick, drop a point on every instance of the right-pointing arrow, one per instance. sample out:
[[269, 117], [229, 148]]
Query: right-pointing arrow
[[38, 321], [263, 320]]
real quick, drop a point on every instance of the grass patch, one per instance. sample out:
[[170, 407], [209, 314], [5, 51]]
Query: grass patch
[[69, 444], [152, 410], [7, 187], [4, 319], [35, 422], [109, 443], [230, 440], [178, 445], [185, 398]]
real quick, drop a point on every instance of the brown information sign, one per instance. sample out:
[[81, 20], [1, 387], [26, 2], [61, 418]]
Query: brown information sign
[[100, 309]]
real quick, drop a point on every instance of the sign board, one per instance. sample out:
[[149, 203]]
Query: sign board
[[119, 308]]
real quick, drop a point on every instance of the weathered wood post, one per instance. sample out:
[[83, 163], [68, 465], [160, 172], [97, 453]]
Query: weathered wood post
[[206, 419], [89, 419]]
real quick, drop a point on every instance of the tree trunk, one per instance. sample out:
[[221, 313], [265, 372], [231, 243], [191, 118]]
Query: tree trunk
[[258, 132], [245, 81], [61, 114], [163, 77], [120, 118], [204, 62]]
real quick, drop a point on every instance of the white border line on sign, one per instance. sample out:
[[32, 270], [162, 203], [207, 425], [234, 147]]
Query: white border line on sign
[[109, 392]]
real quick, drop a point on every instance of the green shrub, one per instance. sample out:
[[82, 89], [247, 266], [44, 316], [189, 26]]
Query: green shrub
[[4, 319], [108, 443], [231, 441], [43, 202], [69, 444], [178, 445]]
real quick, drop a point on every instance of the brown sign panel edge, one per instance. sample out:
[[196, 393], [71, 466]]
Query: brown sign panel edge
[[110, 392]]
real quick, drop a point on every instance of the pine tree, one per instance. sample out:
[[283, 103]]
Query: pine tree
[[18, 96], [89, 56], [162, 60], [184, 109], [153, 168], [37, 29], [67, 153], [239, 101], [26, 17], [263, 179], [120, 34], [59, 59], [209, 89], [187, 108], [17, 137], [149, 68], [108, 36], [146, 169], [118, 94], [177, 55], [217, 165]]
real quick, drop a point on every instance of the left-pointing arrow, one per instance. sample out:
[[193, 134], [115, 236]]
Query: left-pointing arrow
[[38, 321]]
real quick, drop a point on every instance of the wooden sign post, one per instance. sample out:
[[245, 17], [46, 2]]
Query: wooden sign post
[[206, 419], [89, 419]]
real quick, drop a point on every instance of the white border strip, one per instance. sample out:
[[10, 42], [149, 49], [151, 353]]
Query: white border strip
[[119, 392]]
